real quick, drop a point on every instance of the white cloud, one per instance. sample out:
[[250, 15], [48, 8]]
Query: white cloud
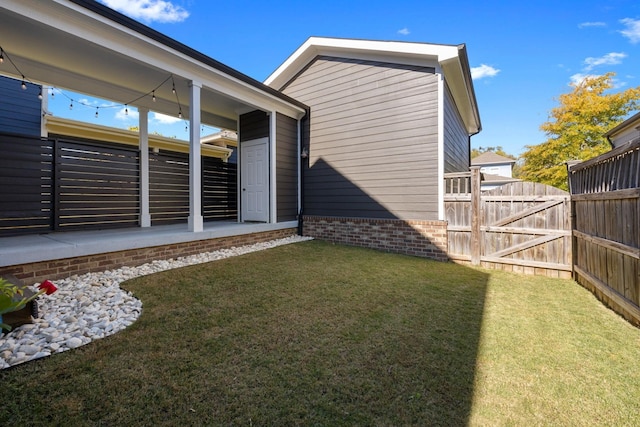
[[149, 10], [129, 114], [592, 24], [164, 119], [578, 78], [612, 58], [632, 32], [483, 71], [405, 31]]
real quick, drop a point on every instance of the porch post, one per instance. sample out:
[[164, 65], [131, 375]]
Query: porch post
[[273, 208], [195, 160], [143, 128]]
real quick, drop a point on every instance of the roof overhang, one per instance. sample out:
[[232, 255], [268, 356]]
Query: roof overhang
[[86, 47], [451, 59], [631, 123]]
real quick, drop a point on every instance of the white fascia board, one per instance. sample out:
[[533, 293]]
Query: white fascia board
[[82, 23], [388, 51]]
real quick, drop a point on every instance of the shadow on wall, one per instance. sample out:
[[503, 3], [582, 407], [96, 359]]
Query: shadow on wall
[[337, 210]]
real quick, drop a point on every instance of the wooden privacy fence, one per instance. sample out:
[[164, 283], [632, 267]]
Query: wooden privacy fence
[[523, 227], [605, 193]]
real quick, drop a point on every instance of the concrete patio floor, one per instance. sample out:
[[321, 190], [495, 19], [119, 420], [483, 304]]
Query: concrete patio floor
[[18, 250]]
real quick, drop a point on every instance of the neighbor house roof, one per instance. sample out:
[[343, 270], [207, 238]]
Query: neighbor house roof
[[627, 131], [490, 158], [451, 60]]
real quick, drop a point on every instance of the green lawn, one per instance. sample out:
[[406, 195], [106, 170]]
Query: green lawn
[[320, 334]]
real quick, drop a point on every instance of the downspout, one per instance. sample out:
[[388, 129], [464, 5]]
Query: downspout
[[303, 161], [610, 143]]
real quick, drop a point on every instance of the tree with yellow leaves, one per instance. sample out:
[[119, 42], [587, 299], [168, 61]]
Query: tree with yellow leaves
[[576, 129]]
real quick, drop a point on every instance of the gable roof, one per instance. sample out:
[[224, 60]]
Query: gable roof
[[450, 60], [490, 158]]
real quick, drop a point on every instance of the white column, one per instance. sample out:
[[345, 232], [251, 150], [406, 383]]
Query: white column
[[195, 159], [238, 173], [143, 127], [273, 202]]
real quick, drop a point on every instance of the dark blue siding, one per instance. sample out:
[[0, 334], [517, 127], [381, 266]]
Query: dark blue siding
[[20, 110]]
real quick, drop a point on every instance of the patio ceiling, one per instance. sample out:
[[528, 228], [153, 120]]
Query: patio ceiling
[[85, 47]]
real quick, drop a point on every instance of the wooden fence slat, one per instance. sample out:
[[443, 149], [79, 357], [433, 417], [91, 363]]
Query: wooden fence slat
[[522, 246], [526, 213]]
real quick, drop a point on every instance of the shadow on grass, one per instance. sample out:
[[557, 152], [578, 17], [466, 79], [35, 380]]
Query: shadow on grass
[[304, 334]]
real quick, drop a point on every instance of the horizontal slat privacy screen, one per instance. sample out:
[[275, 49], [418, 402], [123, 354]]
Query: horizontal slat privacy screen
[[56, 184]]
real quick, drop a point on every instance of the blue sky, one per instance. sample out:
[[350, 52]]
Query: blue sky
[[523, 54]]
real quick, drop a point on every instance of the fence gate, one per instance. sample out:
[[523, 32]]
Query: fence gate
[[523, 227]]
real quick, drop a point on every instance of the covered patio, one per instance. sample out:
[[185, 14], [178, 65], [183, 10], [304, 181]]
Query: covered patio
[[85, 47]]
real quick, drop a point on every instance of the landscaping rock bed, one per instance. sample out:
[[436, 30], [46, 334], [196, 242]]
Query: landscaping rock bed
[[92, 306]]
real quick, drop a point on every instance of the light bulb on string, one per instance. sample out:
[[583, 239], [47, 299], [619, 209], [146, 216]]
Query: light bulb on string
[[180, 114], [126, 110], [153, 96], [40, 94], [23, 85], [173, 88], [97, 108], [53, 93], [1, 56], [71, 105]]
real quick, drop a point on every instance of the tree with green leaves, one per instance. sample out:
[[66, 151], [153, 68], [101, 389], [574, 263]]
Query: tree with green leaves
[[576, 129], [475, 152]]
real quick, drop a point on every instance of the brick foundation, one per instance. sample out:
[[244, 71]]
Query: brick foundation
[[63, 268], [427, 239]]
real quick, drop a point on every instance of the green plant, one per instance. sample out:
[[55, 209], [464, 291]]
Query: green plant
[[11, 297]]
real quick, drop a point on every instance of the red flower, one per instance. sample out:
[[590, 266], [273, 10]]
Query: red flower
[[48, 287]]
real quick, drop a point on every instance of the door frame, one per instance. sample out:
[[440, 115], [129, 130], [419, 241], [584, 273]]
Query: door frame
[[266, 174]]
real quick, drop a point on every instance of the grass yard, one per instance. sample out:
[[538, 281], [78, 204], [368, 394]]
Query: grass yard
[[319, 334]]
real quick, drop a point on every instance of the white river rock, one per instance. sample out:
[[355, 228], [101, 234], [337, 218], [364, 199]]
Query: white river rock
[[92, 306]]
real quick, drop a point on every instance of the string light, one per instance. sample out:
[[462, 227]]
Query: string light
[[23, 85]]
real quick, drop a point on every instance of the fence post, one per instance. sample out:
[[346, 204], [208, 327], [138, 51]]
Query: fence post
[[572, 219], [475, 215]]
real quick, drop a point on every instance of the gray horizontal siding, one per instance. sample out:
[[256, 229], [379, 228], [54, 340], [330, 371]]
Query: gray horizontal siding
[[20, 110], [286, 167], [254, 125], [373, 135], [456, 139]]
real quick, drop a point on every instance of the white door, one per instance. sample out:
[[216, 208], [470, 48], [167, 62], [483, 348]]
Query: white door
[[254, 180]]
